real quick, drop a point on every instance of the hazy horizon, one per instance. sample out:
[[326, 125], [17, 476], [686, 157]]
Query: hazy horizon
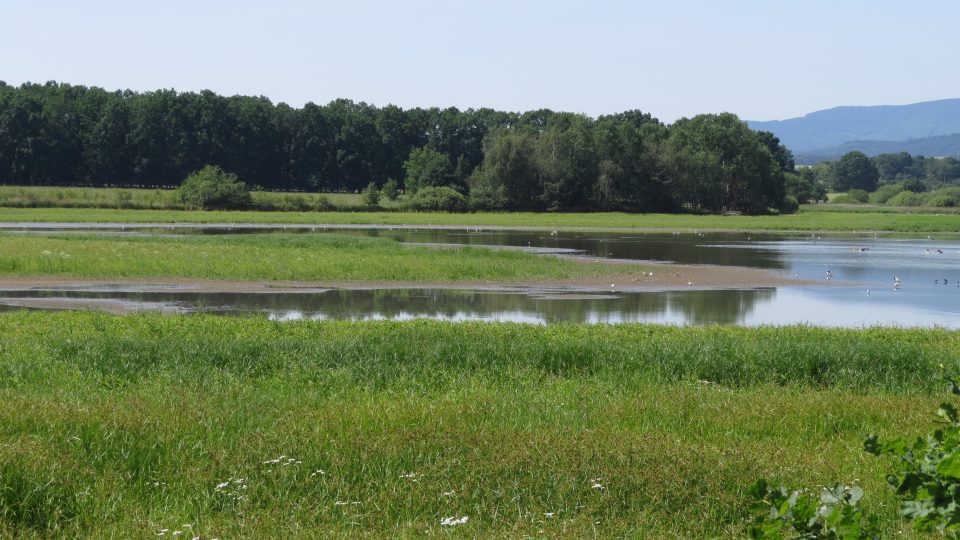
[[757, 60]]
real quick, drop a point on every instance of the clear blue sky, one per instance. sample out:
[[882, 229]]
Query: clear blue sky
[[759, 59]]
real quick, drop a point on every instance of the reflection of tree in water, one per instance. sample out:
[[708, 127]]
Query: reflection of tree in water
[[719, 307], [680, 248], [687, 248], [697, 307]]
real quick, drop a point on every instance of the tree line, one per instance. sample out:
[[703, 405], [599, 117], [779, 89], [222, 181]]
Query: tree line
[[897, 179], [61, 134], [854, 170]]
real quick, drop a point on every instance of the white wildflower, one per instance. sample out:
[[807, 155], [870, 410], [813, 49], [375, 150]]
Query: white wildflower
[[453, 522]]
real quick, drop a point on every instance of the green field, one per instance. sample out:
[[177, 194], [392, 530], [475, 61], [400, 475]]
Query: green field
[[168, 199], [133, 426], [815, 218], [122, 426], [308, 257]]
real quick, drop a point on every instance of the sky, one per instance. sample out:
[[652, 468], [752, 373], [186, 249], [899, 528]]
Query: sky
[[761, 60]]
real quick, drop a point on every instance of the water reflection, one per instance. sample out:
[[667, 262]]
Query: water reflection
[[838, 306], [540, 305], [928, 270]]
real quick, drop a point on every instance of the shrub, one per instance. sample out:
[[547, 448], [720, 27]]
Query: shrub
[[858, 195], [390, 190], [296, 203], [211, 188], [927, 478], [884, 193], [943, 200], [944, 197], [907, 198], [323, 204], [437, 199], [370, 196], [835, 513]]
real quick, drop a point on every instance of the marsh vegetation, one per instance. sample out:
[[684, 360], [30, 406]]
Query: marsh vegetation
[[126, 426], [297, 257]]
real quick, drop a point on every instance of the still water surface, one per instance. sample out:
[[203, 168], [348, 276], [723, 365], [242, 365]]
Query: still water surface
[[927, 270]]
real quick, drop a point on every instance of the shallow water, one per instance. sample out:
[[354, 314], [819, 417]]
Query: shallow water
[[928, 272]]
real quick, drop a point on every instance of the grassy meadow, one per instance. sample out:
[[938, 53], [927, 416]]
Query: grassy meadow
[[147, 425], [169, 199], [810, 218], [270, 256], [132, 426]]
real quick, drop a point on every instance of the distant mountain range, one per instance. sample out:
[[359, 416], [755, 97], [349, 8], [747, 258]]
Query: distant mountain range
[[942, 146], [930, 128]]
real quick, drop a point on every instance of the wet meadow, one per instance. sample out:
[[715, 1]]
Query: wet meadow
[[206, 426], [145, 425]]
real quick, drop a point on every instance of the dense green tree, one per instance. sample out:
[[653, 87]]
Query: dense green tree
[[781, 153], [943, 170], [106, 154], [427, 167], [892, 166], [311, 150], [719, 164], [630, 170], [509, 178], [806, 186], [566, 163], [854, 171], [28, 142]]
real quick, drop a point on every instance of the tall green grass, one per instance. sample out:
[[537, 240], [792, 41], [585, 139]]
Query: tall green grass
[[125, 426], [308, 257], [812, 218]]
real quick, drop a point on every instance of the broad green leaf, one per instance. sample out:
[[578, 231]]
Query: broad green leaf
[[950, 465]]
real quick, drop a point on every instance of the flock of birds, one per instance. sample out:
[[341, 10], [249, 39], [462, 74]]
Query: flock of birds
[[897, 281]]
